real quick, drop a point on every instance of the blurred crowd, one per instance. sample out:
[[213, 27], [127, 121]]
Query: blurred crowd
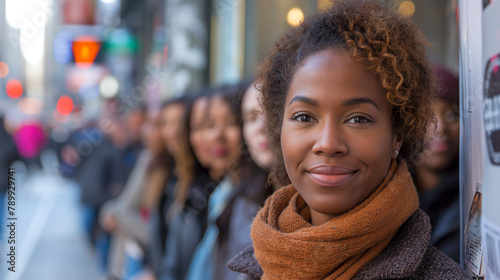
[[167, 192]]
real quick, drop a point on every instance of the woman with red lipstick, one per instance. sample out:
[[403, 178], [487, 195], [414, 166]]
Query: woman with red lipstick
[[224, 143], [348, 96], [239, 196], [196, 181], [436, 172]]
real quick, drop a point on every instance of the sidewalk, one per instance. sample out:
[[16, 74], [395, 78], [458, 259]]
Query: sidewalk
[[50, 241]]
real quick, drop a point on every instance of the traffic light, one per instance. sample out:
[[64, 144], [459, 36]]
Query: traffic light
[[85, 49]]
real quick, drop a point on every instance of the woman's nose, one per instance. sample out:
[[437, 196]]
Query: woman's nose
[[330, 140], [261, 123], [218, 131]]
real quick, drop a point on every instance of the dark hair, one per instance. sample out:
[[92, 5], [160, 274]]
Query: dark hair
[[183, 100], [386, 42]]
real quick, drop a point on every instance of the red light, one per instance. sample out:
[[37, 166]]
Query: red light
[[14, 89], [85, 49], [64, 105]]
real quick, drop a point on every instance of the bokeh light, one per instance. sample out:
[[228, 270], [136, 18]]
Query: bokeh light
[[295, 16], [85, 49], [64, 105], [14, 89], [109, 87], [14, 13], [4, 69], [407, 8]]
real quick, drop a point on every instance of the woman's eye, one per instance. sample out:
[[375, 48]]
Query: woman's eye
[[359, 119], [251, 117], [451, 116], [301, 117]]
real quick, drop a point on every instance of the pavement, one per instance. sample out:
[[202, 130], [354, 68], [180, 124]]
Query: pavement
[[50, 240]]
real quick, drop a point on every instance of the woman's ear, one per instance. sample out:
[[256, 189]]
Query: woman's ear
[[397, 142]]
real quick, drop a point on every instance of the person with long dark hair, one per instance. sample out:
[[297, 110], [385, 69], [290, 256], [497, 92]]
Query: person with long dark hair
[[242, 179], [196, 181]]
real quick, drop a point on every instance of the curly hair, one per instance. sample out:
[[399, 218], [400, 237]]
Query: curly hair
[[386, 42]]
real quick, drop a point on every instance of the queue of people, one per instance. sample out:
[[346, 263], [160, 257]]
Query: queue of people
[[198, 182], [309, 171]]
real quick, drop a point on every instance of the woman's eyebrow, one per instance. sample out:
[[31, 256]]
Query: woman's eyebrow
[[303, 99], [361, 100]]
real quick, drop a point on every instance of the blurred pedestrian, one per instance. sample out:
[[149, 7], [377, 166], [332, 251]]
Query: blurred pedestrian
[[101, 173], [132, 125], [127, 216], [225, 141], [238, 196], [436, 174], [171, 115], [254, 187], [196, 181]]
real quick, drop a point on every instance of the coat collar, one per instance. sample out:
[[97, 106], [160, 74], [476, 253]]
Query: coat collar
[[400, 258], [404, 254]]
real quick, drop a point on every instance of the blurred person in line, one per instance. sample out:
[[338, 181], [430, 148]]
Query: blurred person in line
[[127, 216], [237, 198], [255, 186], [101, 173], [8, 154], [255, 128], [348, 95], [196, 181], [436, 172], [171, 115], [133, 122]]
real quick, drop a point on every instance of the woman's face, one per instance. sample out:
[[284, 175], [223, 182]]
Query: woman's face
[[445, 137], [223, 136], [151, 134], [337, 137], [198, 127], [254, 129], [171, 118]]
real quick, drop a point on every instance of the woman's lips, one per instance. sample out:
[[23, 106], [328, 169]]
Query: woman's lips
[[330, 176], [439, 146], [219, 152], [262, 145]]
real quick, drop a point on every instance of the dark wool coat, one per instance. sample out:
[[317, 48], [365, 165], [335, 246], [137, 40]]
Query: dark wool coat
[[408, 256]]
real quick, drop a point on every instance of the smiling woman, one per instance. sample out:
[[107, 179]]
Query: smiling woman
[[337, 135], [348, 96]]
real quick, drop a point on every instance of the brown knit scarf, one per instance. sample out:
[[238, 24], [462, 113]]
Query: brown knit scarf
[[287, 246]]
